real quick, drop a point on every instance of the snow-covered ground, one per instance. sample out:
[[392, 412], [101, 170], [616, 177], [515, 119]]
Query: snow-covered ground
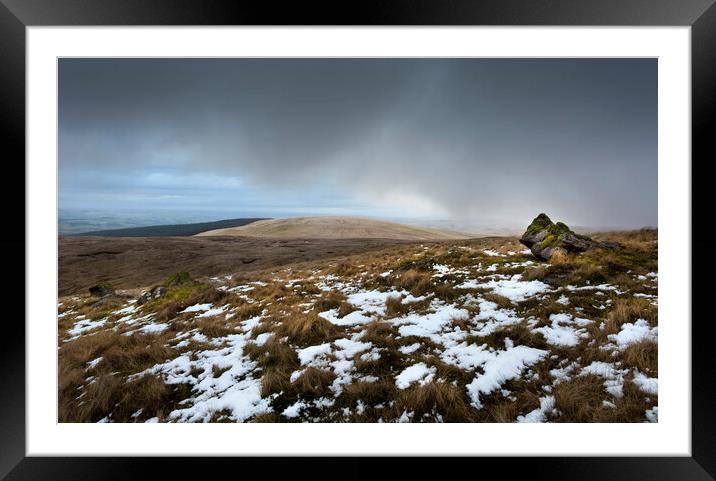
[[481, 332]]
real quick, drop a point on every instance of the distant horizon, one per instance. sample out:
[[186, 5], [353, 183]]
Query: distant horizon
[[77, 221]]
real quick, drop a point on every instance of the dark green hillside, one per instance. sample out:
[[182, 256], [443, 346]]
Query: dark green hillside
[[179, 230]]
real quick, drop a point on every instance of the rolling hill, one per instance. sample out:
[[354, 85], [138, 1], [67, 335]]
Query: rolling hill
[[333, 227], [171, 230]]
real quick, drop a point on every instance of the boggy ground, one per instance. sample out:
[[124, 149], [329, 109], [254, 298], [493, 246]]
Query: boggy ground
[[129, 262], [463, 331]]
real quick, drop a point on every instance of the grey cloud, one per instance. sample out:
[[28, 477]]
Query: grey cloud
[[477, 138]]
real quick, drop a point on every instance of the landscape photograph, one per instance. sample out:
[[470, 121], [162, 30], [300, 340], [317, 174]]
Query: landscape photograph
[[357, 240]]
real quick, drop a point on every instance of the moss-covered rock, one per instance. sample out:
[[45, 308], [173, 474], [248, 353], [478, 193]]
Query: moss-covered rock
[[545, 237], [541, 222]]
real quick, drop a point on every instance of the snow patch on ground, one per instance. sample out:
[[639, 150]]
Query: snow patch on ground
[[235, 390], [308, 355], [513, 288], [153, 328], [491, 318], [419, 372], [564, 300], [501, 367], [649, 385], [613, 377], [213, 311], [539, 415], [430, 324], [409, 349], [562, 331], [633, 333], [85, 325], [197, 308]]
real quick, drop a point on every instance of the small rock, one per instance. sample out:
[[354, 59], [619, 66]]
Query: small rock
[[154, 293], [545, 239], [101, 290]]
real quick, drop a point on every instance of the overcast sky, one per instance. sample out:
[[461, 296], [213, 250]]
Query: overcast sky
[[473, 140]]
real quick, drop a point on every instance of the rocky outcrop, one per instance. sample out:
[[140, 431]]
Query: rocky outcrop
[[101, 290], [545, 238], [106, 295], [152, 294], [177, 280]]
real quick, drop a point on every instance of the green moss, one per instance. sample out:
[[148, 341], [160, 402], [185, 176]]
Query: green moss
[[555, 235], [551, 240], [539, 223], [177, 294], [178, 279], [558, 228]]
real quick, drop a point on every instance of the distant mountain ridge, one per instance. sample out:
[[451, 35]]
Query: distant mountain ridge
[[336, 227], [171, 230]]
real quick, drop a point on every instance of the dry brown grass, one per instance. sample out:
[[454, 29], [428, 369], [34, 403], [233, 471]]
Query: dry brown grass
[[501, 301], [126, 354], [277, 361], [387, 365], [629, 408], [246, 311], [535, 273], [559, 257], [268, 324], [345, 269], [394, 307], [271, 292], [308, 329], [314, 382], [585, 272], [519, 334], [579, 398], [631, 239], [168, 311], [643, 355], [334, 300], [329, 300], [437, 398], [381, 334], [216, 326], [504, 412], [270, 417], [95, 308], [272, 353], [446, 292], [629, 310], [416, 282], [110, 393], [448, 372], [371, 393], [209, 295], [275, 380]]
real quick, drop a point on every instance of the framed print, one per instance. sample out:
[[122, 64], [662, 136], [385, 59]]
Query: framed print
[[313, 241]]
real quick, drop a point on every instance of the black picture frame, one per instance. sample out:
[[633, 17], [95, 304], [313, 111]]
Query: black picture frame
[[700, 15]]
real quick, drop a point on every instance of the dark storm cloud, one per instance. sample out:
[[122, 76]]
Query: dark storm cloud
[[475, 139]]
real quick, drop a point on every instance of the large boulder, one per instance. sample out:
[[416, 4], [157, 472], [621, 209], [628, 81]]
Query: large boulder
[[546, 238]]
